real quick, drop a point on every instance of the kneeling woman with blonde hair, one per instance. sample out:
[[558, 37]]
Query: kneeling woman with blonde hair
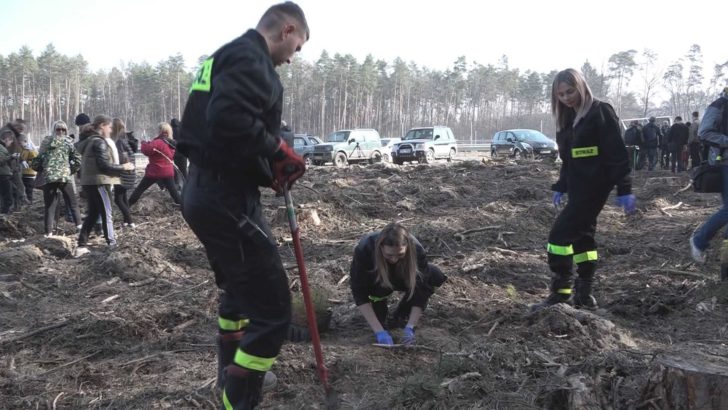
[[392, 260]]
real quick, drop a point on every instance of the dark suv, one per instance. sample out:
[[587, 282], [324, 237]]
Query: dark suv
[[521, 143], [303, 145]]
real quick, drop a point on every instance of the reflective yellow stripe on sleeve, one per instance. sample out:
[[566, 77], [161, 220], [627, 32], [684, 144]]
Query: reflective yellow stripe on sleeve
[[566, 291], [585, 256], [560, 250], [251, 362], [378, 298], [231, 325]]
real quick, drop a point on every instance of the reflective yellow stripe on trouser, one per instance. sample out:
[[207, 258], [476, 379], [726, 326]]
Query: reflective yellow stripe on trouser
[[248, 361], [226, 402], [231, 325], [560, 250], [565, 291], [586, 257]]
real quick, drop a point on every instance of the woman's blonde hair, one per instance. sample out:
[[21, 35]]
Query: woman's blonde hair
[[165, 128], [563, 114], [397, 235], [118, 128]]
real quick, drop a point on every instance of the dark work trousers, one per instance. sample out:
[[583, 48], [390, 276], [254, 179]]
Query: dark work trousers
[[226, 217], [122, 201], [98, 199], [676, 160], [694, 148], [6, 193], [146, 182], [427, 283], [18, 190], [29, 182], [51, 197], [180, 173], [664, 157], [571, 239]]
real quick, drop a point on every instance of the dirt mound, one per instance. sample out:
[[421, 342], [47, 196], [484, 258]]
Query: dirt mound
[[135, 326]]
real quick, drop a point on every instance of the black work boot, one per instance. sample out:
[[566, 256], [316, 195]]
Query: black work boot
[[582, 294], [227, 345], [554, 298], [560, 292], [243, 388], [583, 285]]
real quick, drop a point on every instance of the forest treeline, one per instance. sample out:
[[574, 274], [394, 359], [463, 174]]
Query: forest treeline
[[336, 92]]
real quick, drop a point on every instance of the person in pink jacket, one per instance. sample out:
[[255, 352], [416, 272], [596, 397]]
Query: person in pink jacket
[[160, 169]]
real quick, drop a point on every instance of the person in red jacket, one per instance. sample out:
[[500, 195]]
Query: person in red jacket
[[160, 169]]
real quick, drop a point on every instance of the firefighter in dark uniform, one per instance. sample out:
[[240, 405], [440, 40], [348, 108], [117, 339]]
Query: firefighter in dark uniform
[[594, 161], [230, 131], [388, 261]]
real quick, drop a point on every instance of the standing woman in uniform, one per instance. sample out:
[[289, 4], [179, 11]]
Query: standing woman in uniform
[[594, 161]]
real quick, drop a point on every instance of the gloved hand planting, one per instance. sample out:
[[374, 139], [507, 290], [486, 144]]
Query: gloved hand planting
[[287, 166], [409, 336], [628, 202], [557, 199], [384, 338]]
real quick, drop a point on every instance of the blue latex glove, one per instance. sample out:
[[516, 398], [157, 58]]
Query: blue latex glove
[[409, 336], [557, 198], [628, 202], [384, 338]]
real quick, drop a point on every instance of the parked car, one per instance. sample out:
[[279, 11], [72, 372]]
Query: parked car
[[523, 143], [303, 145], [424, 145], [387, 144], [345, 146]]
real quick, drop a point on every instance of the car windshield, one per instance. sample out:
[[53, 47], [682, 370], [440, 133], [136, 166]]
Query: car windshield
[[314, 140], [339, 136], [419, 134], [533, 136]]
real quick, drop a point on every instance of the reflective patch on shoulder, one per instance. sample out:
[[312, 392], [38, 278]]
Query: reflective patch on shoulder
[[203, 79], [583, 152]]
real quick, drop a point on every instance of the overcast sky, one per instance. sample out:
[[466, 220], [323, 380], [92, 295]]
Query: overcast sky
[[539, 35]]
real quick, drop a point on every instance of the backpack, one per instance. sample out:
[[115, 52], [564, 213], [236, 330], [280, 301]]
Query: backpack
[[706, 178]]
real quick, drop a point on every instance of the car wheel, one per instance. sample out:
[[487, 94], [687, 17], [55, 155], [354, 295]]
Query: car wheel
[[517, 154], [429, 157], [375, 158], [307, 160], [340, 160], [493, 153], [386, 158], [452, 154]]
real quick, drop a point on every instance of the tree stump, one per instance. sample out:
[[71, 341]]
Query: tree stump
[[692, 382]]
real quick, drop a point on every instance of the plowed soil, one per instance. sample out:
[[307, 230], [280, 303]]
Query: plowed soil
[[134, 327]]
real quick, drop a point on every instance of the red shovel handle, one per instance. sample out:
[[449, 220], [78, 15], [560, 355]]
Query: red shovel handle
[[305, 289]]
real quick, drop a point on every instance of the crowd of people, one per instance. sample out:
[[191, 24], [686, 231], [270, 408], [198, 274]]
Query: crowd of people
[[98, 167], [675, 146]]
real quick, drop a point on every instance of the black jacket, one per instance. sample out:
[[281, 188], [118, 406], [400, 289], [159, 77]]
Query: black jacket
[[593, 154], [651, 135], [363, 276], [677, 136], [232, 118]]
